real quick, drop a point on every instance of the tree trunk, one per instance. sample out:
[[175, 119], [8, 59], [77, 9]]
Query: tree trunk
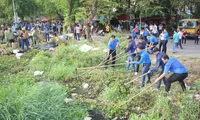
[[91, 16]]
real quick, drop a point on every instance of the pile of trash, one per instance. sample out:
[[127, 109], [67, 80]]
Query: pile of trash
[[86, 48]]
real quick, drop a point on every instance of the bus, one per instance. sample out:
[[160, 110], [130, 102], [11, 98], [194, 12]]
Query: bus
[[190, 25]]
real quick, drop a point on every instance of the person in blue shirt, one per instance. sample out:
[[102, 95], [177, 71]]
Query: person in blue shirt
[[153, 40], [131, 49], [134, 34], [145, 34], [163, 43], [112, 45], [146, 61], [159, 64], [175, 41], [142, 43], [179, 72]]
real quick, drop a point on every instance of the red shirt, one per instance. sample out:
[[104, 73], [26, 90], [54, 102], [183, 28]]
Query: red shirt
[[184, 33], [198, 33]]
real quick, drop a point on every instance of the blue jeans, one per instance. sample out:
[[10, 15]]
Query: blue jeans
[[160, 81], [130, 59], [47, 36], [175, 47], [26, 42], [144, 71]]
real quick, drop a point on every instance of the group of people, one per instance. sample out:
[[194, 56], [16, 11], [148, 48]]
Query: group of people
[[138, 54], [20, 35]]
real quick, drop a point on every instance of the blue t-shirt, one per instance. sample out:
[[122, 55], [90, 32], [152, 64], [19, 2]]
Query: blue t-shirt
[[145, 33], [133, 33], [144, 58], [131, 47], [175, 37], [166, 36], [153, 39], [159, 62], [173, 65], [112, 44]]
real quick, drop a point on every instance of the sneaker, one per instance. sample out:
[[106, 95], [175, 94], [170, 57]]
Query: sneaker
[[136, 73], [148, 81], [140, 86], [157, 90]]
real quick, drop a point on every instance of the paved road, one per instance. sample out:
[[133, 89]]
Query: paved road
[[189, 49]]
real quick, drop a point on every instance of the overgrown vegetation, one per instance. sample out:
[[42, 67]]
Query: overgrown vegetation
[[24, 96]]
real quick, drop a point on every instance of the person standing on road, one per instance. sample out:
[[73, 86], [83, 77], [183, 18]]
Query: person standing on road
[[164, 41], [197, 37], [179, 72], [160, 28], [112, 45], [155, 30], [131, 49], [146, 61], [159, 64], [180, 38], [184, 36], [175, 41]]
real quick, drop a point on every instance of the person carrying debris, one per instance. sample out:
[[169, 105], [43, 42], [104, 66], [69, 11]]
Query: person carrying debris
[[146, 61], [159, 63], [131, 48], [179, 72], [24, 39], [112, 45]]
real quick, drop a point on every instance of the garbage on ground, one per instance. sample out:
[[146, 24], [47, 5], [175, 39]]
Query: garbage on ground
[[19, 55], [105, 50], [74, 94], [38, 73], [3, 51], [16, 51], [63, 37], [85, 48], [95, 49], [52, 49], [85, 85], [46, 47], [87, 118], [67, 100]]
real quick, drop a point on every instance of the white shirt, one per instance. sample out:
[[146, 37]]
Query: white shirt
[[160, 27], [155, 29], [151, 27], [162, 36], [77, 30], [180, 34]]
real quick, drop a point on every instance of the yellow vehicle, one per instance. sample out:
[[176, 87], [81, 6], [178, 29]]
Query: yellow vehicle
[[190, 25]]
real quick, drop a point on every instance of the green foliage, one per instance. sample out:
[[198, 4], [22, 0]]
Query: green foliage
[[37, 101], [197, 84], [114, 93], [40, 62]]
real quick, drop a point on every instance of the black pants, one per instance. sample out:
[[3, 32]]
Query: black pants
[[180, 43], [113, 53], [163, 45], [184, 40], [176, 77], [196, 40], [138, 66]]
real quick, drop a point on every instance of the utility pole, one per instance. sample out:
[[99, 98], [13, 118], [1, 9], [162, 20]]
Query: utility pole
[[15, 17]]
